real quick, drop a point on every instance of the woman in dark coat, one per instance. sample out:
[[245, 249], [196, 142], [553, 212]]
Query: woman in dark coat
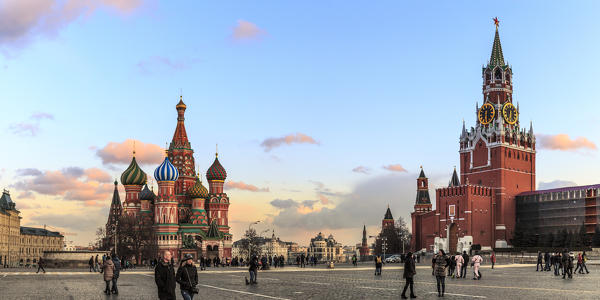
[[409, 273], [440, 262], [187, 277]]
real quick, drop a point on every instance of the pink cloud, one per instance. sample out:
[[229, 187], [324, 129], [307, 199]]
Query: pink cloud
[[70, 183], [246, 30], [121, 153], [361, 169], [324, 200], [298, 138], [395, 168], [23, 21], [563, 142], [244, 186]]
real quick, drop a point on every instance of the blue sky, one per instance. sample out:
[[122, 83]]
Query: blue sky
[[373, 86]]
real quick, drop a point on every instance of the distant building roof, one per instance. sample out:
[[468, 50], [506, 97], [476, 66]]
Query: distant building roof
[[39, 231], [563, 189]]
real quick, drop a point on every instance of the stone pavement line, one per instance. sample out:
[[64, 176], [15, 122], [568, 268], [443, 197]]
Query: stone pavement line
[[512, 287], [375, 288], [461, 295], [317, 283], [242, 292]]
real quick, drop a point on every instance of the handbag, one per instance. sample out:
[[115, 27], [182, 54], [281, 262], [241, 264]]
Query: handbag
[[193, 289]]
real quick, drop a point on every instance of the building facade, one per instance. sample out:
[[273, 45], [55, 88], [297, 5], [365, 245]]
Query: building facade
[[325, 249], [497, 162], [186, 217], [551, 211], [21, 246]]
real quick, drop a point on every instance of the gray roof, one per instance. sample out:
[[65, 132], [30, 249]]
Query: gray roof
[[39, 231]]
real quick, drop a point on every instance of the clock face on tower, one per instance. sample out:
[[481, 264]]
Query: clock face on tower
[[486, 113], [510, 114]]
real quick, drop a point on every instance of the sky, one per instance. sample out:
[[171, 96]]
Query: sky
[[322, 111]]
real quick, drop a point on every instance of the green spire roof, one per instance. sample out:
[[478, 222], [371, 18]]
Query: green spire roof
[[213, 231], [497, 58]]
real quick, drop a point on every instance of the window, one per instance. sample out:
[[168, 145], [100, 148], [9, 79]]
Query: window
[[498, 74]]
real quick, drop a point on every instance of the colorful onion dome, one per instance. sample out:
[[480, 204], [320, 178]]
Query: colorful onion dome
[[216, 171], [198, 190], [166, 171], [147, 194], [133, 175]]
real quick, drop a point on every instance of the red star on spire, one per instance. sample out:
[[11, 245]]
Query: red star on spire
[[496, 22]]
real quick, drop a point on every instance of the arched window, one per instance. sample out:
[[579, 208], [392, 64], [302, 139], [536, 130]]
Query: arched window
[[498, 74], [488, 76]]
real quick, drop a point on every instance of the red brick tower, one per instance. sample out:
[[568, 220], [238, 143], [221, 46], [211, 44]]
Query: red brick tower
[[422, 203], [364, 247], [218, 203], [181, 155], [497, 152]]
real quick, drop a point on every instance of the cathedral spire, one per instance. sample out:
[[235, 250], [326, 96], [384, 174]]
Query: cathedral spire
[[497, 58], [180, 139]]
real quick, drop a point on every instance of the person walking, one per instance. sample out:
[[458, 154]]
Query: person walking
[[252, 269], [41, 265], [440, 262], [97, 263], [378, 265], [187, 277], [539, 262], [354, 260], [108, 268], [302, 261], [493, 259], [464, 267], [583, 263], [164, 276], [476, 260], [91, 263], [556, 263], [116, 273], [451, 266], [565, 262], [460, 261], [408, 274], [569, 265], [546, 261], [579, 261]]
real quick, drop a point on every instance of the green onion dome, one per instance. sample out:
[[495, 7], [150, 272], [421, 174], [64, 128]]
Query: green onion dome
[[198, 190], [216, 171], [133, 175]]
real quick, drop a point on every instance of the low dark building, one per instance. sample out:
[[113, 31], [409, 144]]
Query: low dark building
[[541, 214]]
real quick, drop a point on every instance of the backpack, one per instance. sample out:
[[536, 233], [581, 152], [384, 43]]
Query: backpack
[[378, 259]]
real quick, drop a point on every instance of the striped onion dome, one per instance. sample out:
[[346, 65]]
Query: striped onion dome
[[216, 171], [133, 175], [198, 190], [166, 171], [147, 194]]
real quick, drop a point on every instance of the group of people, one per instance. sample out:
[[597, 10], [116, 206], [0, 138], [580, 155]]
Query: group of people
[[166, 279], [96, 263], [562, 262], [303, 260]]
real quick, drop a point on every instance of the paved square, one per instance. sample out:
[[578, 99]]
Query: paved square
[[344, 282]]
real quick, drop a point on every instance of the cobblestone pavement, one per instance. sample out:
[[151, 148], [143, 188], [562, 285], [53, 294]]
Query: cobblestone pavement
[[504, 282]]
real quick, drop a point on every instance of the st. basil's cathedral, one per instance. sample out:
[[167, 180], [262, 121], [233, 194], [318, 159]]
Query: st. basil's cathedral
[[187, 218]]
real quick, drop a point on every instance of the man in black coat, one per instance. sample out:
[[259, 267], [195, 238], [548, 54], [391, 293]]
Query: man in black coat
[[164, 276], [409, 272], [187, 277], [463, 272]]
